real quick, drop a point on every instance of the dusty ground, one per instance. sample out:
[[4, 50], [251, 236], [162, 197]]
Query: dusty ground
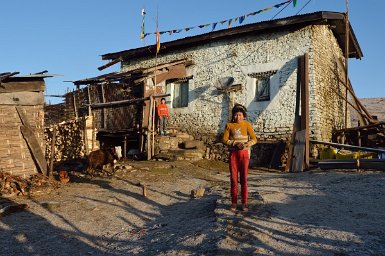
[[312, 213]]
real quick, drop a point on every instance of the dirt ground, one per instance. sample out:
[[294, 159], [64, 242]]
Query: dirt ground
[[311, 213]]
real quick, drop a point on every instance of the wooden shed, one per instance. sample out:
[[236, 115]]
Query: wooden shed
[[22, 123]]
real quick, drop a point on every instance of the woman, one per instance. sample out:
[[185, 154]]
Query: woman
[[239, 136]]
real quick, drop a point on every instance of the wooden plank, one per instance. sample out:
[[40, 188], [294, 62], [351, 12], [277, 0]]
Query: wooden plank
[[109, 64], [297, 117], [34, 147], [305, 106], [32, 142], [22, 98], [32, 86], [298, 152], [23, 117]]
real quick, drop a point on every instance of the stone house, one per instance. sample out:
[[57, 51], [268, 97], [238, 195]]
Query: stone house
[[255, 65], [22, 123]]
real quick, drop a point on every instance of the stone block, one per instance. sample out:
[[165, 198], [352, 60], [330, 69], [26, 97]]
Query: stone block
[[194, 144]]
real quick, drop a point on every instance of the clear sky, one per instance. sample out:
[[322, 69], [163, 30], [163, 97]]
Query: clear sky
[[67, 37]]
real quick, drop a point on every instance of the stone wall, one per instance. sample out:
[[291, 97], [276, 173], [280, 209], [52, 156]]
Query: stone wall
[[326, 106], [15, 156]]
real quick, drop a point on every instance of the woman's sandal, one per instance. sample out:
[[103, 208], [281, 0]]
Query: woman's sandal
[[244, 208]]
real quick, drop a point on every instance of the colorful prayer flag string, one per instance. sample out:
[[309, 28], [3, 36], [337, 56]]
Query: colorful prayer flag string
[[213, 25]]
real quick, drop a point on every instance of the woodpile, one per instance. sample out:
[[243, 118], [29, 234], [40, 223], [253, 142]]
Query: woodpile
[[69, 140], [12, 185]]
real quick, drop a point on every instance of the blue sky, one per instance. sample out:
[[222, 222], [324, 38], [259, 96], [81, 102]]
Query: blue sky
[[68, 37]]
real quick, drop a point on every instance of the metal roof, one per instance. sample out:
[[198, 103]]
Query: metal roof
[[336, 21]]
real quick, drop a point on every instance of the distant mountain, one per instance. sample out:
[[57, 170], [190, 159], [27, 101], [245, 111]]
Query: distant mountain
[[375, 107]]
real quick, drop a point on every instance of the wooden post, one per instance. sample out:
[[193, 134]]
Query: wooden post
[[297, 117], [305, 106], [231, 103], [89, 100], [346, 61], [125, 147], [85, 136], [153, 127], [144, 190], [104, 109], [93, 133], [75, 108], [149, 132], [50, 174]]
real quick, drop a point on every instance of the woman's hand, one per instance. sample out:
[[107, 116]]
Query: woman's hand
[[239, 145]]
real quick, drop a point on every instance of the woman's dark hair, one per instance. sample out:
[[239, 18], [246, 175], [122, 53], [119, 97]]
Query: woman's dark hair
[[162, 99], [238, 108]]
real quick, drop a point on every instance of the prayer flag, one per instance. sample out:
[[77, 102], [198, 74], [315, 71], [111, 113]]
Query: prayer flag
[[214, 25], [241, 19], [157, 42], [142, 33], [294, 3]]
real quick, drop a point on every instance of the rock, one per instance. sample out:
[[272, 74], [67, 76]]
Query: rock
[[197, 193]]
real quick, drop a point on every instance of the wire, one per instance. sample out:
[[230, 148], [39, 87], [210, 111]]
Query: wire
[[281, 10], [303, 7]]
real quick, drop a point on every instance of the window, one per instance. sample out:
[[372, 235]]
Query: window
[[263, 89], [262, 84], [179, 94]]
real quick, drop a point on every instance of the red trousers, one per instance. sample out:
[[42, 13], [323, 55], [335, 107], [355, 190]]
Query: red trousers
[[239, 162]]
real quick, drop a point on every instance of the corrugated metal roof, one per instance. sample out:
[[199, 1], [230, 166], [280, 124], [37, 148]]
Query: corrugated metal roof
[[335, 19]]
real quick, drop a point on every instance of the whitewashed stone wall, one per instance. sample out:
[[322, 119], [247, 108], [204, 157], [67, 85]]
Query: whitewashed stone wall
[[327, 108], [207, 111]]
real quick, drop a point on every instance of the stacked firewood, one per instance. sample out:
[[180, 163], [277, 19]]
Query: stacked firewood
[[69, 140], [11, 185]]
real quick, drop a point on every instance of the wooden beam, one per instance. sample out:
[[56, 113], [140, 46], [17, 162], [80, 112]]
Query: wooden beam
[[32, 86], [22, 98], [337, 145], [124, 102], [109, 64]]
